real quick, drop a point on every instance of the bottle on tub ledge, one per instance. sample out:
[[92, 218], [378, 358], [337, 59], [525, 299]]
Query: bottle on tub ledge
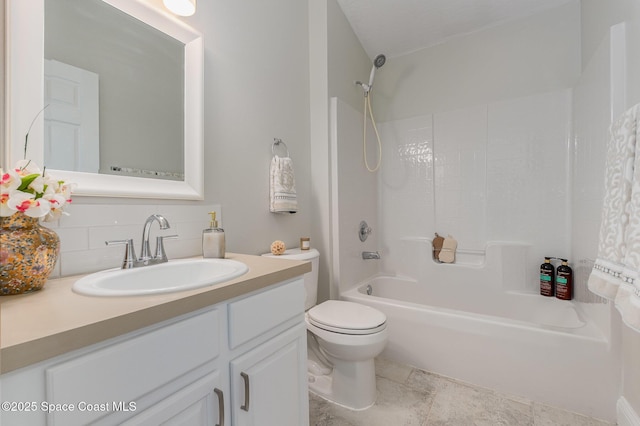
[[547, 278], [564, 281]]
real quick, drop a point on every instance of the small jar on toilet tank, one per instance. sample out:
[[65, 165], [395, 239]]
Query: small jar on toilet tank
[[305, 243]]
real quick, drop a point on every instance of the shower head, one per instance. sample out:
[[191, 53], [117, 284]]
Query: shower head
[[377, 63]]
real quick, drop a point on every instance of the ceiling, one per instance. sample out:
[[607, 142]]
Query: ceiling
[[398, 27]]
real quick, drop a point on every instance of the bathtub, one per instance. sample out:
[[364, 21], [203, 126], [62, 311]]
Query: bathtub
[[517, 343]]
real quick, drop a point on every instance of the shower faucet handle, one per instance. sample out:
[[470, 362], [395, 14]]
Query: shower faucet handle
[[364, 232]]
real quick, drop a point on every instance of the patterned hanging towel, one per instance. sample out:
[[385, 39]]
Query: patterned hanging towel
[[615, 274], [282, 186]]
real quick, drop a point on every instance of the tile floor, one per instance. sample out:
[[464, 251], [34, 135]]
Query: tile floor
[[408, 396]]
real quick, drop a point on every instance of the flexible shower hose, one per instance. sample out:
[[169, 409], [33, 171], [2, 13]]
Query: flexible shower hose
[[367, 103]]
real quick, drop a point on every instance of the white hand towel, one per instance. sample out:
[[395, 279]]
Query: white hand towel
[[282, 184]]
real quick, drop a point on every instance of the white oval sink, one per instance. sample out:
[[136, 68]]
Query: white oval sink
[[169, 277]]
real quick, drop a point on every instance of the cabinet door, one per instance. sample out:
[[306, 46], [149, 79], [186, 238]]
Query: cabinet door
[[269, 383], [198, 404], [131, 369]]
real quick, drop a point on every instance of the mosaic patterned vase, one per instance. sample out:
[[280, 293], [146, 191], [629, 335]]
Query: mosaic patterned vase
[[28, 254]]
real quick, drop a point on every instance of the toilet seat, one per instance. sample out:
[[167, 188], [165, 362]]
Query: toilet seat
[[347, 318]]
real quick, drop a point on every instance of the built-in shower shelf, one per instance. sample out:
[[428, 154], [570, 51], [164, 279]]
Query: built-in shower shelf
[[464, 256], [468, 257]]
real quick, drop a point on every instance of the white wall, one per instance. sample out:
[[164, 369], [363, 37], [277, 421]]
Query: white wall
[[256, 89], [347, 60], [526, 56], [321, 214]]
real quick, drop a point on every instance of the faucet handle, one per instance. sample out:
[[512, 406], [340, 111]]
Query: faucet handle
[[160, 253], [129, 253], [365, 231]]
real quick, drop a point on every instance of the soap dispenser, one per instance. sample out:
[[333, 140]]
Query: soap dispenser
[[213, 245]]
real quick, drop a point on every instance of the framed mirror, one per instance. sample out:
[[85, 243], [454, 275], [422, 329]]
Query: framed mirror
[[26, 92]]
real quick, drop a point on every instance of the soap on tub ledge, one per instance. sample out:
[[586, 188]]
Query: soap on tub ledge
[[448, 251]]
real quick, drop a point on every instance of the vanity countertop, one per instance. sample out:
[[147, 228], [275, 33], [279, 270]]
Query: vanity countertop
[[55, 320]]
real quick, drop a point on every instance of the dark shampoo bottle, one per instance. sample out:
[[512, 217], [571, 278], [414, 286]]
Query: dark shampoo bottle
[[547, 278], [564, 281]]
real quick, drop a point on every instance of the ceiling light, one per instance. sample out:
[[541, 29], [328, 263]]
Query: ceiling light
[[181, 7]]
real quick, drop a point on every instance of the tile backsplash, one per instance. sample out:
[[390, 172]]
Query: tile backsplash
[[83, 233]]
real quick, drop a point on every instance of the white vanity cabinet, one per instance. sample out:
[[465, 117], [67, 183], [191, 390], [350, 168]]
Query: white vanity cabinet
[[185, 371], [266, 388], [200, 403]]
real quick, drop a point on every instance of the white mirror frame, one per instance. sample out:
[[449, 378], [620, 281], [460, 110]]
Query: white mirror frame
[[25, 94]]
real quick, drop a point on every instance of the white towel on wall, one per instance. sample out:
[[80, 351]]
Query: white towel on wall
[[615, 273], [282, 185]]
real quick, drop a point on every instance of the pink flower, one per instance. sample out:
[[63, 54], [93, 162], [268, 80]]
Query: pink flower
[[9, 180], [26, 189], [26, 203]]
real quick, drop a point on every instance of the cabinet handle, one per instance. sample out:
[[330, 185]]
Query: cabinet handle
[[245, 407], [220, 406]]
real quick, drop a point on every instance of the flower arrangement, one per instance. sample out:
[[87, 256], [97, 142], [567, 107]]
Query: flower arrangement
[[27, 189]]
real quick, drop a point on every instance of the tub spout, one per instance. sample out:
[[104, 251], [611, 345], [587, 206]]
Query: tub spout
[[370, 255]]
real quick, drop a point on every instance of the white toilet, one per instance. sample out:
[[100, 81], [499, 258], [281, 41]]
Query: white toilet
[[343, 338]]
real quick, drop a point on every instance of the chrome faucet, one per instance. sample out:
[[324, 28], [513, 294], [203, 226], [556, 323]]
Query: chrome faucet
[[164, 224], [366, 255], [145, 259]]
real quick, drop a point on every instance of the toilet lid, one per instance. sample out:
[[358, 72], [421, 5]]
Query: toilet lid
[[347, 317]]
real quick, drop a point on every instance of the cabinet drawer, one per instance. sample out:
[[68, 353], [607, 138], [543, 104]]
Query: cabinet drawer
[[112, 377], [257, 314]]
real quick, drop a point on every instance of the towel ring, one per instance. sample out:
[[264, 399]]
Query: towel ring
[[277, 142]]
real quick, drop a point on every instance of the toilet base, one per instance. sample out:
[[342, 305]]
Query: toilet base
[[349, 379], [351, 384]]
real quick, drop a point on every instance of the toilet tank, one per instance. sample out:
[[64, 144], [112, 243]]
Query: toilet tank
[[310, 278]]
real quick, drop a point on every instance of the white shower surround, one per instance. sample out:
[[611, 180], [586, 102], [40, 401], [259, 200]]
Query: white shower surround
[[494, 172]]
